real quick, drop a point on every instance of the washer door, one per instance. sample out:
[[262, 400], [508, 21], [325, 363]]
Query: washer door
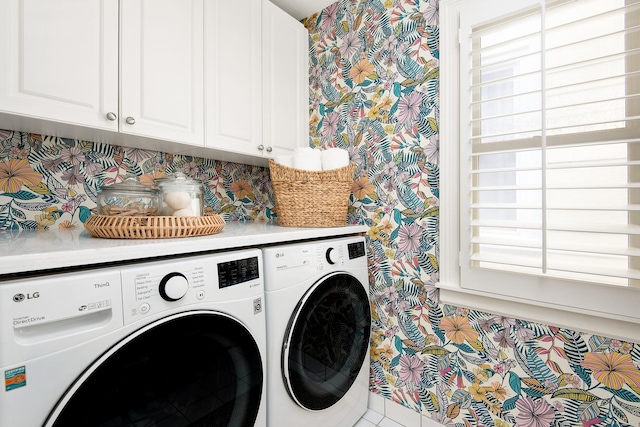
[[327, 341], [198, 368]]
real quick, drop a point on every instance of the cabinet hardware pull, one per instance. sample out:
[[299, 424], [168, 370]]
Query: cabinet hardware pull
[[111, 116], [269, 149], [130, 120], [260, 147]]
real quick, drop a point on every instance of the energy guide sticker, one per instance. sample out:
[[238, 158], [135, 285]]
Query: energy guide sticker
[[15, 378]]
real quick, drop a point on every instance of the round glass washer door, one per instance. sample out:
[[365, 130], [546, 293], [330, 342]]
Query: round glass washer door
[[327, 341], [197, 368]]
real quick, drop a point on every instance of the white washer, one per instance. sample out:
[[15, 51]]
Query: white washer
[[177, 342], [318, 328]]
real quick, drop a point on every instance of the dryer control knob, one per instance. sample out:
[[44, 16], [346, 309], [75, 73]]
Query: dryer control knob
[[332, 256], [173, 286]]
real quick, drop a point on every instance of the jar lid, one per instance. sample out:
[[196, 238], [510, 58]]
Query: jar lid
[[130, 184], [179, 180]]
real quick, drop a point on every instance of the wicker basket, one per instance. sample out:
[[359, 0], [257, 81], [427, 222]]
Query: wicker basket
[[153, 227], [310, 198]]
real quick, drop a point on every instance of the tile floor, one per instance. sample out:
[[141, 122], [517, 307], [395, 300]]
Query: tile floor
[[386, 413], [372, 419]]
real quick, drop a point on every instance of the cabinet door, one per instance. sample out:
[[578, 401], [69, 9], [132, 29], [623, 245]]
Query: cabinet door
[[233, 75], [60, 60], [286, 81], [161, 69]]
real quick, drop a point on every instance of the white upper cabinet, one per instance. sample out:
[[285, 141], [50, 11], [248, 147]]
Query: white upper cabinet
[[60, 60], [233, 73], [161, 69], [286, 81], [218, 79]]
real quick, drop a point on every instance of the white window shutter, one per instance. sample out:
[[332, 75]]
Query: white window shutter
[[550, 148]]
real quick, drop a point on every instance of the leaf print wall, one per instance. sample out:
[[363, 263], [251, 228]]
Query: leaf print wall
[[374, 91], [53, 182]]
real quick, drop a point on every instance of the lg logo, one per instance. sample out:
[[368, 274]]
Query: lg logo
[[22, 297]]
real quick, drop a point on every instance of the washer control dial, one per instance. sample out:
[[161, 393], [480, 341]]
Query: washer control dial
[[332, 256], [173, 286]]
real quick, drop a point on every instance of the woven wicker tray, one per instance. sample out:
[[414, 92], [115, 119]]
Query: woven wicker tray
[[153, 227]]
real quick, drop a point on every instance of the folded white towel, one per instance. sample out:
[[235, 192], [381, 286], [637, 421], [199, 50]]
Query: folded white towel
[[334, 158], [284, 160], [307, 158]]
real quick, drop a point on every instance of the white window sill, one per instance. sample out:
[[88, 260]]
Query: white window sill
[[612, 326]]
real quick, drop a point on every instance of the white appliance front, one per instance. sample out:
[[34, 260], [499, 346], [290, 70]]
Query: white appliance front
[[318, 329], [176, 342]]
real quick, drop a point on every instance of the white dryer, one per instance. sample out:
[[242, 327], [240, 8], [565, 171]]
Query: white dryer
[[318, 329], [177, 342]]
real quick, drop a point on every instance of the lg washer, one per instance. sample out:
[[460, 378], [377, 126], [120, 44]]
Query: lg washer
[[174, 343], [318, 329]]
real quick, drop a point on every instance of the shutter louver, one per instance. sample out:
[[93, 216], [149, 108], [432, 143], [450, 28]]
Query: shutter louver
[[554, 158]]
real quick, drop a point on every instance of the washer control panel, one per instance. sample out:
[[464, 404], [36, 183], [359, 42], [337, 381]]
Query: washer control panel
[[333, 255], [287, 265], [158, 286], [231, 273]]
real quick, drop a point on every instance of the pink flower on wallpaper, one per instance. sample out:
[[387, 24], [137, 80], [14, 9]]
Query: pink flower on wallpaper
[[503, 338], [411, 368], [390, 168], [73, 176], [191, 169], [409, 107], [506, 322], [409, 237], [432, 150], [390, 185], [139, 155], [329, 16], [350, 45], [534, 413], [524, 334], [442, 418], [391, 292], [432, 14], [52, 165], [390, 42], [330, 124], [92, 168], [72, 155]]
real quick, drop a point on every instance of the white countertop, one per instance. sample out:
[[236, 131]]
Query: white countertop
[[58, 249]]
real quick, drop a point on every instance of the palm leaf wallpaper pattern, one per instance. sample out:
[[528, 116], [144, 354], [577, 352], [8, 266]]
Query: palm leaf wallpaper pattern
[[53, 182], [374, 91]]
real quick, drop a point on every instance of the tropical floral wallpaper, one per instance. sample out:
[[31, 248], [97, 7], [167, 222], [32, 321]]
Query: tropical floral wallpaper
[[53, 182], [374, 91]]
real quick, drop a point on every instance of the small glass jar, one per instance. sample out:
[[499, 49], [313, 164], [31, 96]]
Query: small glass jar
[[181, 195], [129, 198]]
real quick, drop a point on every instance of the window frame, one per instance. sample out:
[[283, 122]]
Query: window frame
[[583, 313]]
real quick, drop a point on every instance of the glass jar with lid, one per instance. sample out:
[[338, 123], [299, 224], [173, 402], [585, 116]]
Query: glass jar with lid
[[129, 198], [181, 195]]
